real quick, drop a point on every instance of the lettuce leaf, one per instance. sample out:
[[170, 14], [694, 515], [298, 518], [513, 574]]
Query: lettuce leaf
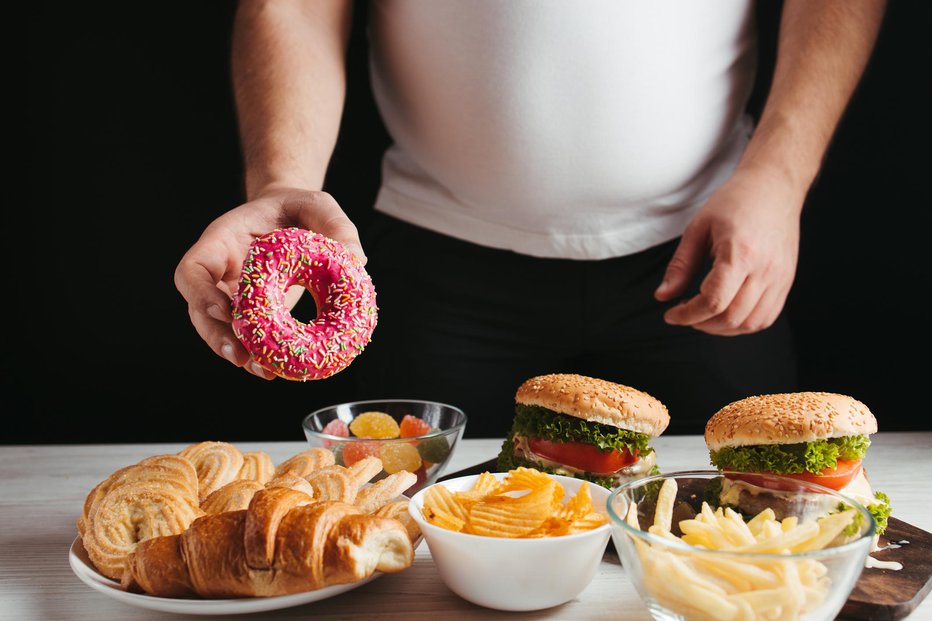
[[533, 421], [811, 457], [881, 511], [854, 528]]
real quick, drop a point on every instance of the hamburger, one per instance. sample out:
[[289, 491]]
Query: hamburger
[[584, 427], [817, 437]]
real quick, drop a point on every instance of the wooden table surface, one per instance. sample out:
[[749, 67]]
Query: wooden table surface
[[42, 489]]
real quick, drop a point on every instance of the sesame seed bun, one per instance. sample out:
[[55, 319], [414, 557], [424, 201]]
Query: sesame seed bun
[[596, 400], [788, 418]]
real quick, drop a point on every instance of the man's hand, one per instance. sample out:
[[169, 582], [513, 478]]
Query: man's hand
[[208, 273], [750, 228]]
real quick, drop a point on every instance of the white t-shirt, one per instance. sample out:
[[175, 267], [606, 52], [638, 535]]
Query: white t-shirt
[[581, 130]]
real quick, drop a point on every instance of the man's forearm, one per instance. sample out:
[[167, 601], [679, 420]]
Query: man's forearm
[[823, 48], [289, 81]]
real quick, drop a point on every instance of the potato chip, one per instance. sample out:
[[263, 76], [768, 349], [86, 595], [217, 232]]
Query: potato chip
[[526, 503], [525, 479], [439, 517], [486, 485], [588, 522], [504, 516], [441, 498], [578, 506]]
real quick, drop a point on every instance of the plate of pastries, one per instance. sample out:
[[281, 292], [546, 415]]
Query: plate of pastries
[[213, 530]]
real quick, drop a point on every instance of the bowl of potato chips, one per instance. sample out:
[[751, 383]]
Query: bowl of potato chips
[[790, 550], [520, 540]]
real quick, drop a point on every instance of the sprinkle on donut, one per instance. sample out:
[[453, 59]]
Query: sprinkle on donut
[[342, 290]]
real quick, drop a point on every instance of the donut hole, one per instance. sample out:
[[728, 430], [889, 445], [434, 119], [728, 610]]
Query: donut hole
[[305, 310]]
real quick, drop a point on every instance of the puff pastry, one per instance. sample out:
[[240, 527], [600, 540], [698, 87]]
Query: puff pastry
[[129, 515], [217, 463]]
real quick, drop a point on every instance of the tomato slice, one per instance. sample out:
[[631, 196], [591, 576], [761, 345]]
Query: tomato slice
[[583, 456], [835, 478]]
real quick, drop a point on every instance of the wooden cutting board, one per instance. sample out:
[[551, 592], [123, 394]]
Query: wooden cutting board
[[884, 594]]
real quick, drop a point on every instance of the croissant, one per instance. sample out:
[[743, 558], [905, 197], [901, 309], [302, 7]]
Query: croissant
[[283, 543]]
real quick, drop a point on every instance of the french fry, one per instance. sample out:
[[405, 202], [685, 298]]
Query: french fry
[[829, 528], [756, 523], [631, 517], [663, 514]]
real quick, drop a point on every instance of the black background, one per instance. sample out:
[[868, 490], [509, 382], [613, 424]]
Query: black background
[[133, 151]]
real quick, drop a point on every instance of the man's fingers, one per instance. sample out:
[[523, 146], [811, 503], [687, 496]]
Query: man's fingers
[[320, 212], [219, 337], [254, 368], [683, 264], [768, 309], [199, 287], [736, 319], [716, 293]]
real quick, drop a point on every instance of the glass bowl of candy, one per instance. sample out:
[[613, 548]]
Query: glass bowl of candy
[[405, 434]]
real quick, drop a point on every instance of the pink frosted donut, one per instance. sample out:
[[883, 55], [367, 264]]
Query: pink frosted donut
[[342, 290]]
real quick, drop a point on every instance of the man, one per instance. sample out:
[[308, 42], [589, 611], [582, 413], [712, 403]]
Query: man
[[561, 175]]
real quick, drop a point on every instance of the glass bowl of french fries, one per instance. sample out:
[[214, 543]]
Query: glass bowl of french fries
[[405, 434], [521, 540], [790, 550]]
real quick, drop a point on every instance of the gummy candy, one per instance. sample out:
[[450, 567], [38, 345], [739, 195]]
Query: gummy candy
[[374, 425], [336, 427], [434, 449], [413, 426], [354, 451], [398, 456]]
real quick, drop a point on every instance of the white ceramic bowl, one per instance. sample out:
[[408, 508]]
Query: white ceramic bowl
[[515, 574]]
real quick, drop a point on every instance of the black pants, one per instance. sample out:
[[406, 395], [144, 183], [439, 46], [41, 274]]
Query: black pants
[[465, 325]]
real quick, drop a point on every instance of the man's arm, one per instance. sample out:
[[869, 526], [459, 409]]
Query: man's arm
[[289, 81], [750, 226], [289, 78]]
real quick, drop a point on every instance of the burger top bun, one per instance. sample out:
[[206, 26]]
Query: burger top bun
[[596, 400], [788, 418]]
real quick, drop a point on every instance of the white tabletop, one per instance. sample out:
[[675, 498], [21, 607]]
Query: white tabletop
[[42, 489]]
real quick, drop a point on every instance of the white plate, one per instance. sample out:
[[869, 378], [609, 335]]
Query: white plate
[[88, 574]]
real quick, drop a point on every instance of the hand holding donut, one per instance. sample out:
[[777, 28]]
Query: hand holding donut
[[208, 274]]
